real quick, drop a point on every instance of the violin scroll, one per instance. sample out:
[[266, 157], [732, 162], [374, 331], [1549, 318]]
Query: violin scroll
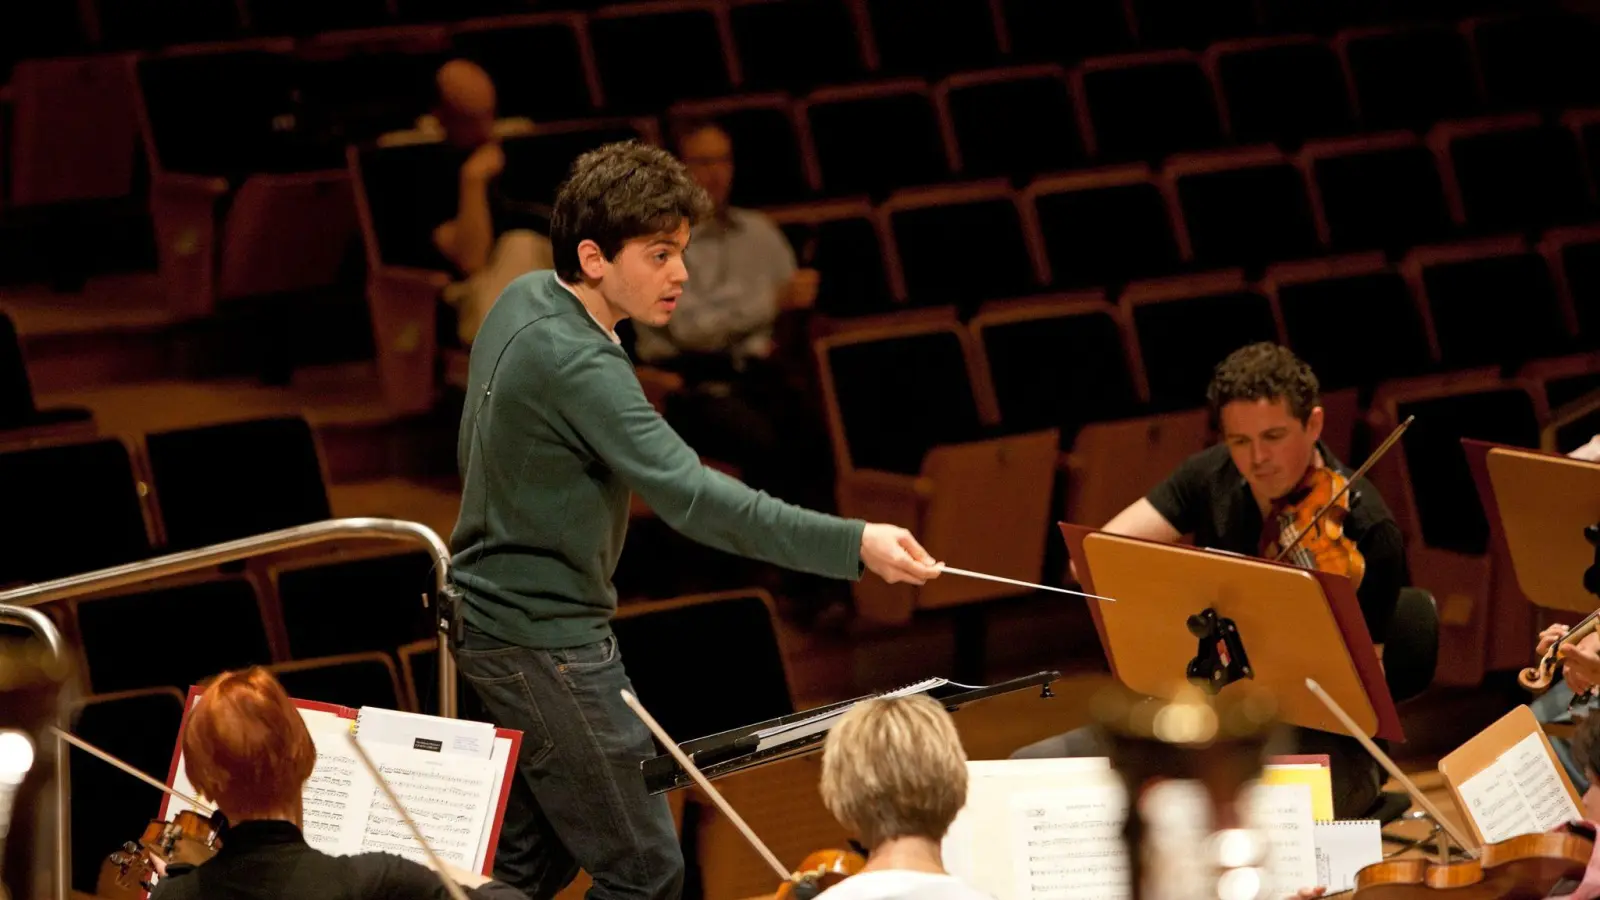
[[1542, 674]]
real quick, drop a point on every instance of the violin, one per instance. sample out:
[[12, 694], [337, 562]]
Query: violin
[[818, 872], [190, 836], [1539, 676], [1310, 522], [1528, 865], [1311, 519]]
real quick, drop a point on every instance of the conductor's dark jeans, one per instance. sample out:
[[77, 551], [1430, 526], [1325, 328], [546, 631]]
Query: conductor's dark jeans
[[579, 799], [1357, 779]]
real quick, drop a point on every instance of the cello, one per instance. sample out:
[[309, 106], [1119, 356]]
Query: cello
[[1524, 867], [818, 872]]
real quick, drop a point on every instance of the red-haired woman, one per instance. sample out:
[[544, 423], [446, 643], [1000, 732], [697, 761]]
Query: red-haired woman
[[247, 749]]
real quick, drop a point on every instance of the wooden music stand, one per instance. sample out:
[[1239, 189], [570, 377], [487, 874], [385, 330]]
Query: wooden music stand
[[1543, 503], [1291, 624], [1485, 749]]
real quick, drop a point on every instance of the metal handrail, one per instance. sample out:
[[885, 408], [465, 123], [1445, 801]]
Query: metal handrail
[[17, 599], [46, 630]]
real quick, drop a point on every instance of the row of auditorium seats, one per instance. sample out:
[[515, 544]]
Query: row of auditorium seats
[[689, 693], [110, 500], [775, 41]]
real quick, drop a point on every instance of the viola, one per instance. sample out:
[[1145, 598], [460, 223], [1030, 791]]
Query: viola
[[1539, 676], [1310, 524]]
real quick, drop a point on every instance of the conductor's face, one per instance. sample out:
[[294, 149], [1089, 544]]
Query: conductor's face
[[647, 276], [1270, 446]]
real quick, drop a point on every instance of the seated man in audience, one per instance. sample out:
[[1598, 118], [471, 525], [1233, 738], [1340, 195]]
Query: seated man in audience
[[246, 749], [1266, 405], [492, 238], [737, 404], [895, 774]]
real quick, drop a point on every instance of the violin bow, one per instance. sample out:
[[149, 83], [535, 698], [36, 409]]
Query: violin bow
[[1354, 477], [91, 749], [1384, 760], [705, 785], [450, 885]]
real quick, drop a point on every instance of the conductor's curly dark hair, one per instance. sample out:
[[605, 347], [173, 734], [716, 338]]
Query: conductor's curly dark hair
[[1264, 371], [619, 192]]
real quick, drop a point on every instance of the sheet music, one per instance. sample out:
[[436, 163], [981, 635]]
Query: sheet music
[[1069, 844], [1519, 793], [1282, 813], [446, 797], [425, 733], [337, 791], [1345, 848]]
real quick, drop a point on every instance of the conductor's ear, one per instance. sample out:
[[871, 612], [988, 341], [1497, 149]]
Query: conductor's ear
[[591, 260]]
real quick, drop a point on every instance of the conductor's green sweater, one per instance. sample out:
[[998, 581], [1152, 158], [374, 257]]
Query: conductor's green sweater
[[555, 435]]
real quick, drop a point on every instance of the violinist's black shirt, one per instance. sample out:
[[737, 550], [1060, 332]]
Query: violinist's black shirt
[[1208, 498], [262, 860]]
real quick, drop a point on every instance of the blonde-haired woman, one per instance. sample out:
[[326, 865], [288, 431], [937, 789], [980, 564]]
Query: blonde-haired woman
[[894, 773]]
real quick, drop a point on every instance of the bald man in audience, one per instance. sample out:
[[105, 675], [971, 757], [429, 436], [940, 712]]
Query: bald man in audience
[[492, 238]]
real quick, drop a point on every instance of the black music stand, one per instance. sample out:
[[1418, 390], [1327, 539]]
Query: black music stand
[[799, 734]]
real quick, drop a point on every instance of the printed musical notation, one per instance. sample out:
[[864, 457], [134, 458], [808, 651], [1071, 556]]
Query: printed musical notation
[[337, 786], [1519, 793], [1282, 813], [446, 797], [1070, 844]]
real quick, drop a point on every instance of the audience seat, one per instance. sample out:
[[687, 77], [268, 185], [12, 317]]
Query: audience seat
[[991, 140], [370, 82], [419, 676], [844, 241], [1057, 362], [1488, 301], [236, 151], [1191, 23], [1538, 59], [74, 508], [875, 138], [796, 45], [1186, 325], [1105, 226], [1050, 31], [1573, 255], [541, 64], [1512, 172], [963, 244], [1321, 300], [354, 680], [1585, 123], [692, 694], [1408, 76], [1280, 89], [1245, 206], [1112, 464], [769, 167], [909, 41], [152, 24], [74, 130], [302, 18], [1426, 483], [217, 483], [685, 36], [910, 414], [1146, 105], [358, 605], [1380, 191], [109, 808], [20, 416], [216, 620]]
